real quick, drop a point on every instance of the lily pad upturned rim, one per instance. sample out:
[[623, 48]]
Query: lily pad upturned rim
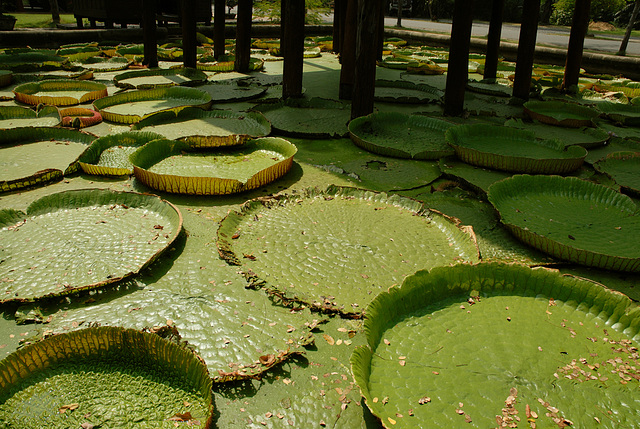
[[359, 136], [539, 110], [567, 160], [157, 150], [88, 197], [426, 288], [207, 141], [502, 191], [195, 97], [27, 92], [195, 77], [19, 112], [25, 135], [91, 156], [626, 114], [105, 342]]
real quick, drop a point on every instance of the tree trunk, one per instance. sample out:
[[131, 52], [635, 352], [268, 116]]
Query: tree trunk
[[399, 21], [366, 53], [545, 14], [526, 49], [293, 48], [243, 35], [218, 28], [348, 50], [579, 26], [627, 34], [458, 70], [55, 11], [493, 40]]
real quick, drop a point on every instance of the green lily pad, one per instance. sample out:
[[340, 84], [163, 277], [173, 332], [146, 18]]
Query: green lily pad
[[586, 137], [561, 113], [207, 128], [401, 136], [229, 92], [476, 178], [626, 114], [615, 144], [16, 116], [469, 346], [336, 249], [99, 237], [33, 156], [109, 155], [490, 88], [75, 53], [159, 78], [314, 117], [394, 91], [571, 219], [226, 64], [29, 61], [512, 149], [59, 92], [174, 166], [131, 107], [624, 168], [81, 379], [102, 64]]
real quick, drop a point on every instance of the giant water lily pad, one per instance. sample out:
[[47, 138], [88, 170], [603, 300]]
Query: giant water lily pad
[[226, 63], [102, 64], [469, 346], [159, 78], [478, 179], [16, 116], [587, 137], [32, 156], [624, 168], [109, 155], [174, 166], [406, 92], [402, 136], [512, 149], [336, 249], [229, 92], [59, 92], [98, 237], [207, 128], [105, 377], [561, 113], [571, 219], [314, 117], [31, 60], [624, 113], [131, 107]]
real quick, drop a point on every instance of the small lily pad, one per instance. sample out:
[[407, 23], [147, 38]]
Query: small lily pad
[[561, 113], [624, 168]]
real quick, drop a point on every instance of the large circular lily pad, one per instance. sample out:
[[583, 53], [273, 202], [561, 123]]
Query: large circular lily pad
[[32, 156], [561, 113], [315, 117], [159, 78], [16, 116], [59, 92], [175, 166], [626, 114], [130, 107], [406, 92], [587, 137], [512, 149], [401, 136], [571, 219], [472, 346], [98, 237], [105, 377], [207, 128], [335, 250], [624, 168], [109, 155]]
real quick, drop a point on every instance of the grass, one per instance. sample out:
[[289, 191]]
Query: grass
[[41, 20]]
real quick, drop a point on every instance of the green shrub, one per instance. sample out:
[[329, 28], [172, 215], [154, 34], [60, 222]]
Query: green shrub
[[270, 9], [601, 10]]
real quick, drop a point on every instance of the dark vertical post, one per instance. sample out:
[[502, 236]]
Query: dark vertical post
[[149, 33], [55, 11], [348, 51], [526, 49], [293, 48], [579, 26], [458, 70], [380, 38], [284, 5], [189, 41], [243, 35], [219, 13], [627, 34], [338, 24], [366, 55], [493, 40]]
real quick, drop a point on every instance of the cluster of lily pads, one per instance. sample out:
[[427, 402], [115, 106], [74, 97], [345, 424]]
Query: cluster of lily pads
[[438, 288]]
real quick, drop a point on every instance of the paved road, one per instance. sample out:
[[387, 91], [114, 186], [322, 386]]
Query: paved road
[[549, 36]]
